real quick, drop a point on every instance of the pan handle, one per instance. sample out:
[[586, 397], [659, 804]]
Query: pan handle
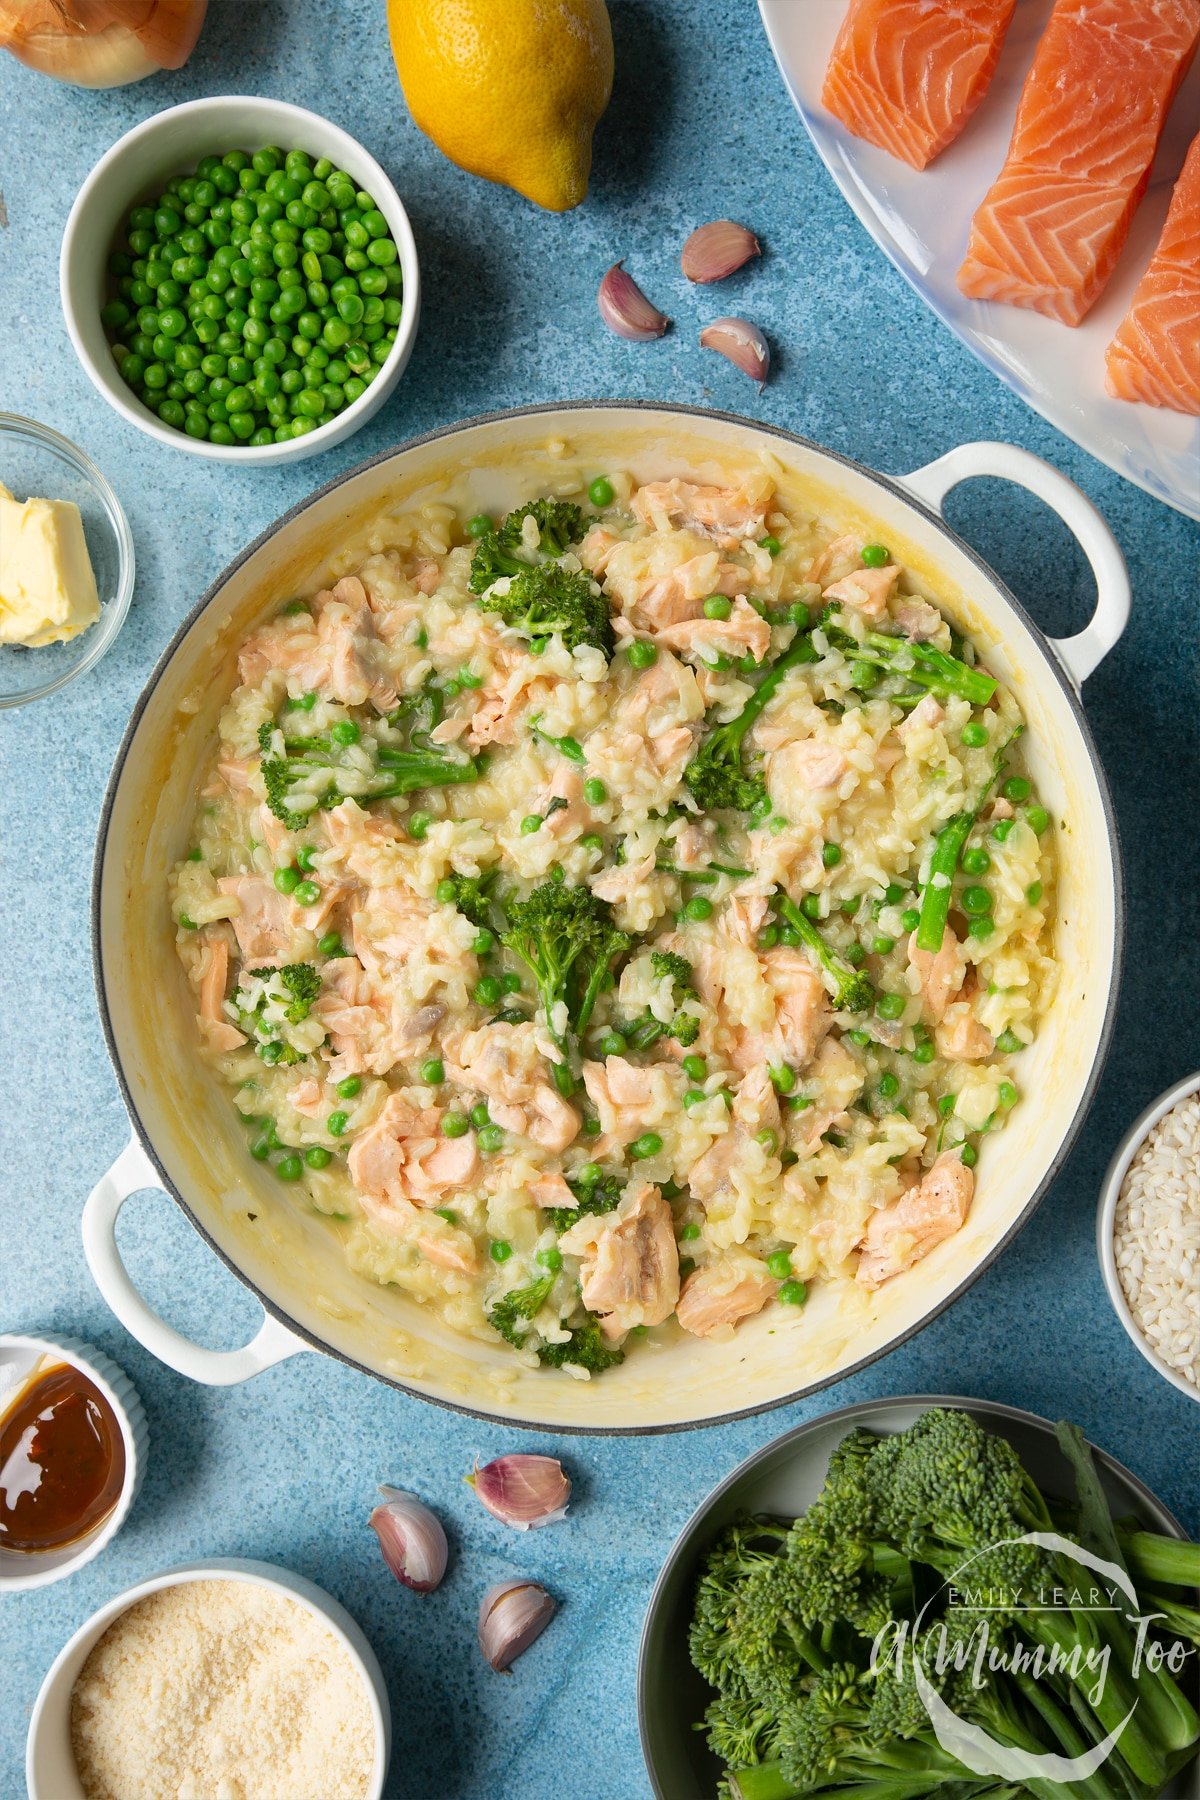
[[131, 1173], [1082, 654]]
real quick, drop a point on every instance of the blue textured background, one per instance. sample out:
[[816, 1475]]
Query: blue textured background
[[285, 1468]]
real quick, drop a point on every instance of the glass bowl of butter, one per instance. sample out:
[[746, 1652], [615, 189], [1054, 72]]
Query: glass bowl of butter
[[66, 561]]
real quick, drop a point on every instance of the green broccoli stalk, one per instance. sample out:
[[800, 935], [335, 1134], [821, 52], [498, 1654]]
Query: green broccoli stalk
[[943, 864], [921, 664], [716, 774], [267, 1001], [569, 747], [566, 938], [647, 1029], [302, 775], [852, 990]]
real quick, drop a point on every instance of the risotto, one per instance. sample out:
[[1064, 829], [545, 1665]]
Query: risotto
[[619, 916]]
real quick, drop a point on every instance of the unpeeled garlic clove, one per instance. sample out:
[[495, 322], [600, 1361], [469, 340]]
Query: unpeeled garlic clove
[[744, 345], [717, 250], [523, 1490], [511, 1615], [626, 310], [412, 1540]]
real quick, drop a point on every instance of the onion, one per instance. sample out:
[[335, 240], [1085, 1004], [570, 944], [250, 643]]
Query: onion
[[101, 43]]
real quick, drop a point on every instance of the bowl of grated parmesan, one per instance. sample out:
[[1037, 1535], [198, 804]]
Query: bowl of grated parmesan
[[1148, 1234], [228, 1678]]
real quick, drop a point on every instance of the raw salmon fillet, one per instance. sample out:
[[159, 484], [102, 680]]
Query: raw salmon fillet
[[1050, 230], [1155, 355], [908, 74]]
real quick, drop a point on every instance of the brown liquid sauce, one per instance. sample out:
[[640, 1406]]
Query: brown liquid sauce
[[62, 1461]]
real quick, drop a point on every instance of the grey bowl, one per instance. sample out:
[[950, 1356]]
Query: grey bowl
[[784, 1479]]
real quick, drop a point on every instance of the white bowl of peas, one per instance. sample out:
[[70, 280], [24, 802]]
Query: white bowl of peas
[[240, 280]]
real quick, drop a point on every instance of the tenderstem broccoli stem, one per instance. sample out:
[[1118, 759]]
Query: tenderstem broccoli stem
[[1162, 1560], [928, 667], [935, 901]]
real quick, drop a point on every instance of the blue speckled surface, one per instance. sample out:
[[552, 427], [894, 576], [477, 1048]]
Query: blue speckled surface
[[285, 1467]]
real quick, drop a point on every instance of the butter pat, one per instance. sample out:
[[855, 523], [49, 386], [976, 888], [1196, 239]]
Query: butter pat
[[47, 586]]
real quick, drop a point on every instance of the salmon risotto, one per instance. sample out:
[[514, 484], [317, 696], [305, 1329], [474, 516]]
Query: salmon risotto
[[621, 914]]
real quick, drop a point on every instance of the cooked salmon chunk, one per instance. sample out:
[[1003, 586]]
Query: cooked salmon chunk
[[902, 1233]]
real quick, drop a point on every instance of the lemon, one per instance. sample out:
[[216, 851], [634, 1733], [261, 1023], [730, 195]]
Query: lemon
[[508, 89]]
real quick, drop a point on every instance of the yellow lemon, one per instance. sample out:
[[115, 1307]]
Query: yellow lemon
[[508, 89]]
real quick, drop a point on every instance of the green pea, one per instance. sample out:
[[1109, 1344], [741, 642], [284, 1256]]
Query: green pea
[[882, 946], [307, 893], [594, 791], [875, 556], [810, 906], [975, 735], [589, 1174], [336, 1123], [779, 1264], [499, 1250], [433, 1072], [976, 901], [1037, 818], [289, 1168], [793, 1293], [187, 922], [768, 1139], [831, 855], [1006, 1094], [980, 929], [550, 1258], [771, 545], [762, 807], [641, 654], [1033, 892], [855, 955], [695, 1068], [1001, 829], [483, 942], [330, 944], [976, 862], [1008, 1043], [600, 491], [698, 908], [768, 937], [613, 1043], [488, 990], [490, 1139], [851, 906], [455, 1125], [689, 1233], [418, 824], [349, 1086], [910, 918], [1016, 789], [694, 1097], [717, 607], [318, 1157], [287, 880], [510, 983], [891, 1006], [530, 823], [649, 1144], [345, 731], [887, 1085], [969, 1154]]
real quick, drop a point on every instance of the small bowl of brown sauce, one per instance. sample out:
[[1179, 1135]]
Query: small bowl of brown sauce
[[72, 1450]]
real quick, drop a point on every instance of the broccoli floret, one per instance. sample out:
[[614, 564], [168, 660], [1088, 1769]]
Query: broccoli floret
[[587, 1348], [540, 602], [647, 1029], [852, 990], [601, 1195], [284, 997], [566, 937], [501, 551], [303, 774], [420, 711], [716, 774], [470, 894]]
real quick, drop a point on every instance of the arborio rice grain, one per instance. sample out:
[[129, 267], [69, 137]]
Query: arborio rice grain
[[1157, 1238]]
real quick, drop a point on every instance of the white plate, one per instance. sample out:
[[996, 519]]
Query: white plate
[[921, 219]]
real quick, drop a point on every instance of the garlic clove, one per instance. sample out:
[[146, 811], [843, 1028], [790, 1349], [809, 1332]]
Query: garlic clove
[[626, 310], [744, 345], [523, 1491], [717, 250], [511, 1615], [412, 1540]]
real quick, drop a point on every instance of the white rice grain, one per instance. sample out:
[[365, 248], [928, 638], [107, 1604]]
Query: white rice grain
[[1156, 1237]]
